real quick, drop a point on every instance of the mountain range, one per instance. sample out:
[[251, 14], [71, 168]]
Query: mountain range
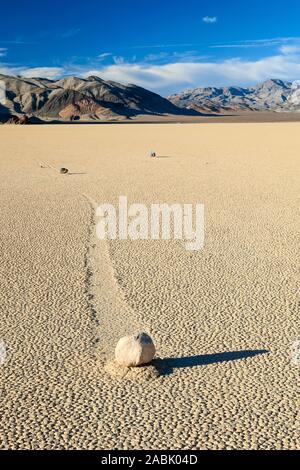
[[91, 99], [73, 98], [271, 95]]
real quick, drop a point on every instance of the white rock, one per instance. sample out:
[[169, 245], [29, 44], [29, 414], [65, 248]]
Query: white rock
[[135, 350]]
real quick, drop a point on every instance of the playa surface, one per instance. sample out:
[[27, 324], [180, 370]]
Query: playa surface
[[223, 319]]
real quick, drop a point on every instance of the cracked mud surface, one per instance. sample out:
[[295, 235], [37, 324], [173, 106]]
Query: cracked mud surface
[[223, 319]]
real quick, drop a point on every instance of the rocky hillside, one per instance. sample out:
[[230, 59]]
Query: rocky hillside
[[29, 100], [75, 98], [271, 95]]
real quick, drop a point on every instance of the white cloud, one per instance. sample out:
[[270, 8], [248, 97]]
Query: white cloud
[[272, 42], [210, 19], [232, 46], [169, 78], [16, 42], [42, 72], [3, 51], [104, 55], [163, 46], [171, 57], [288, 50], [6, 70], [244, 43], [118, 59]]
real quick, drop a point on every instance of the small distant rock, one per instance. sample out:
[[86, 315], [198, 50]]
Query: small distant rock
[[152, 154], [63, 171], [135, 350]]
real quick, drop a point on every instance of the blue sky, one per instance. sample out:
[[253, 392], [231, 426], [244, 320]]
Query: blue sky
[[163, 45]]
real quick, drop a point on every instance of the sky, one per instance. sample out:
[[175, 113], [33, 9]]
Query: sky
[[163, 45]]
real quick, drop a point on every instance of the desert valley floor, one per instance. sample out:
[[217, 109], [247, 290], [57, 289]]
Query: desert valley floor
[[223, 319]]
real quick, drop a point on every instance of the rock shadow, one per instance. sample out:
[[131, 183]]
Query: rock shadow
[[166, 366]]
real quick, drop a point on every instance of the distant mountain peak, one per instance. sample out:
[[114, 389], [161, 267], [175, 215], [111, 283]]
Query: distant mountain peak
[[94, 78], [271, 95]]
